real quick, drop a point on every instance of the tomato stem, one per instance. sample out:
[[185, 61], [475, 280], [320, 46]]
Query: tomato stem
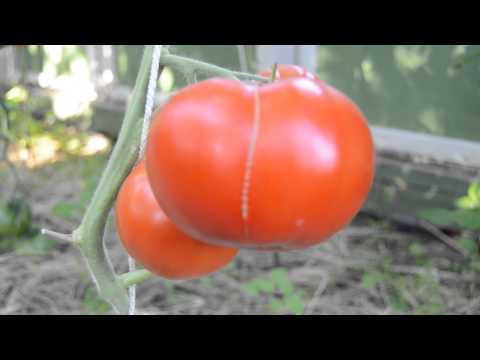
[[89, 235], [57, 236], [187, 66], [135, 277], [274, 72]]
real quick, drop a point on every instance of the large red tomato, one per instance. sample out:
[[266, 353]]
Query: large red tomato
[[289, 71], [153, 240], [278, 167]]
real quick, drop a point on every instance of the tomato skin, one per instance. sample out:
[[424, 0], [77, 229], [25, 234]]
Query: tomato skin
[[153, 240], [289, 71], [313, 163]]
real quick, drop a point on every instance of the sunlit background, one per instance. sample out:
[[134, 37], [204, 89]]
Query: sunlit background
[[414, 87]]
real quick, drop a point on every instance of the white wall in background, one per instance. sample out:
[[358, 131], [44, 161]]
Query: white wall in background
[[302, 55]]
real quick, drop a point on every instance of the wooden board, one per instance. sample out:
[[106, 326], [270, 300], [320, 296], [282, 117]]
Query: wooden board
[[419, 171]]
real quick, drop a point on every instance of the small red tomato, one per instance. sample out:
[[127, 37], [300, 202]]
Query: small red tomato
[[289, 71], [154, 241], [277, 167]]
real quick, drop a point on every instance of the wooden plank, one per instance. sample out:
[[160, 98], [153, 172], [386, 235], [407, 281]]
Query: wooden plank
[[417, 172], [110, 108], [429, 147]]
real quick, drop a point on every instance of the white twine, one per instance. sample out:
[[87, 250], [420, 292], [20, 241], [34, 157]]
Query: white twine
[[150, 102]]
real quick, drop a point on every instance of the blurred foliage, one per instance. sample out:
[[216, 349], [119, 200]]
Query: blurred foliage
[[282, 293], [466, 215], [93, 304], [37, 135], [17, 231], [15, 218], [406, 293], [72, 210], [41, 129], [90, 170]]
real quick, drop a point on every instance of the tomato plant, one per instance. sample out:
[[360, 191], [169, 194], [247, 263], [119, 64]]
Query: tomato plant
[[15, 218], [153, 240], [279, 167]]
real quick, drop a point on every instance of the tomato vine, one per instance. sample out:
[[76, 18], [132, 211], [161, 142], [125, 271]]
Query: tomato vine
[[89, 235]]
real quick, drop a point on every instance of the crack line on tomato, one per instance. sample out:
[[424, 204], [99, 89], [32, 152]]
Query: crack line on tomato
[[249, 164]]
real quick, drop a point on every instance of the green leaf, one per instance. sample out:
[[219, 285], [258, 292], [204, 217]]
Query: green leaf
[[280, 278], [266, 285], [435, 308], [472, 200], [257, 286], [467, 203], [468, 219], [417, 250], [252, 288], [295, 304], [372, 279], [17, 94], [474, 191], [276, 305], [23, 219], [34, 127], [279, 274], [7, 227], [399, 304], [93, 303]]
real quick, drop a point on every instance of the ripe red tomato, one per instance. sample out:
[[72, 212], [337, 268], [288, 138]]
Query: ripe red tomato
[[153, 240], [278, 167], [289, 71]]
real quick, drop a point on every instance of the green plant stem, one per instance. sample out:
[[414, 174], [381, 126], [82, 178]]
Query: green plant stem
[[188, 66], [7, 139], [65, 238], [89, 235], [274, 72], [135, 277]]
